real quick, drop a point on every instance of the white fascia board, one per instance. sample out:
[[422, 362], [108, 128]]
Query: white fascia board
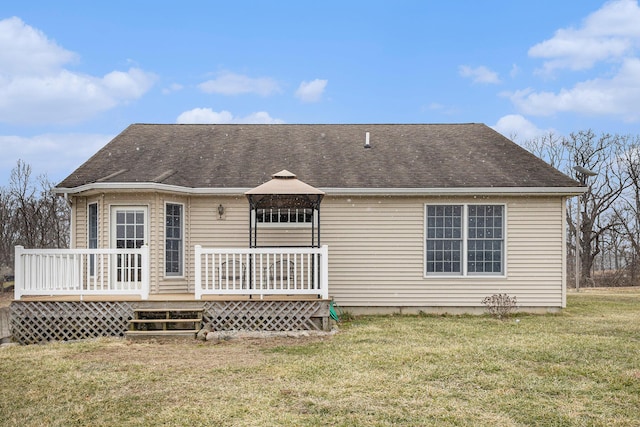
[[149, 186], [494, 191]]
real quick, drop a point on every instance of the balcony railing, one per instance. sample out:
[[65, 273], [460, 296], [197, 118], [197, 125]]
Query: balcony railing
[[81, 272], [255, 271], [261, 271]]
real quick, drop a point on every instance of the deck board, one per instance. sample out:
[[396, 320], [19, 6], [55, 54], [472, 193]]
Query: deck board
[[168, 297]]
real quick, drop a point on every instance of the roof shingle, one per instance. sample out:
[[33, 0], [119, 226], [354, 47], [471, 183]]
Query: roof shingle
[[323, 155]]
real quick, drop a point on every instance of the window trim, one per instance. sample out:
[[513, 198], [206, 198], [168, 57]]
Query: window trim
[[97, 239], [464, 274], [113, 228], [306, 224], [181, 273], [113, 210]]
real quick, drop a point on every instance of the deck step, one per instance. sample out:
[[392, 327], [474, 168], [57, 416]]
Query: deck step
[[165, 322], [176, 320], [164, 310], [177, 333]]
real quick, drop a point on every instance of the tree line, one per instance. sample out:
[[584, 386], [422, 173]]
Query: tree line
[[31, 215], [608, 235]]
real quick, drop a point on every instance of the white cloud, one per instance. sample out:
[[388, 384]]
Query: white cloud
[[69, 150], [207, 115], [618, 96], [228, 83], [611, 32], [127, 85], [311, 91], [610, 35], [260, 117], [518, 129], [35, 88], [479, 74], [26, 50]]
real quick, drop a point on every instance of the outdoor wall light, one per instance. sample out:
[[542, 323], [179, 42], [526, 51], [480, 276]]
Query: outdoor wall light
[[220, 210]]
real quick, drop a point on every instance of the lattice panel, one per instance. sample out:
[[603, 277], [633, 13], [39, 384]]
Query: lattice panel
[[38, 321], [265, 315]]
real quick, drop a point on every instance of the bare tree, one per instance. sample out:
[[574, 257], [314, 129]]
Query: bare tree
[[601, 154], [550, 148], [31, 214], [7, 229], [627, 210], [23, 193]]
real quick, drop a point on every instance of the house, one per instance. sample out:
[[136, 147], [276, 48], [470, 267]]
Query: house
[[380, 218]]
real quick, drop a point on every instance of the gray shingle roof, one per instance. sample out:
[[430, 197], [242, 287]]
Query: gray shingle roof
[[322, 155]]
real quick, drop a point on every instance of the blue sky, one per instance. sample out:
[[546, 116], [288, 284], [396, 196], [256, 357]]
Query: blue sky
[[73, 74]]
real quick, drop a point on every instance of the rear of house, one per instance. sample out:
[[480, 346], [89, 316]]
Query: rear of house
[[414, 217], [394, 253], [265, 226]]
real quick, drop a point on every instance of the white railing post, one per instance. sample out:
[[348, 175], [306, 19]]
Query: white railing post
[[198, 272], [145, 285], [18, 274], [324, 271]]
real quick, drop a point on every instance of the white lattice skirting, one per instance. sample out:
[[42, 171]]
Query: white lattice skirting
[[40, 321], [266, 315], [35, 322]]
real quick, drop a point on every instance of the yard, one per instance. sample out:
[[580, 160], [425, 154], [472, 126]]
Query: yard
[[581, 367]]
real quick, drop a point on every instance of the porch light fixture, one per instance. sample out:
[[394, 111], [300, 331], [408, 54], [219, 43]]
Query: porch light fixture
[[220, 210]]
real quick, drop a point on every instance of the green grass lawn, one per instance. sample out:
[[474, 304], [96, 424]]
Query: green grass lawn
[[578, 368]]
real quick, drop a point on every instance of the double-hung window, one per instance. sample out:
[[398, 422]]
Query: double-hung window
[[92, 234], [464, 240], [173, 239]]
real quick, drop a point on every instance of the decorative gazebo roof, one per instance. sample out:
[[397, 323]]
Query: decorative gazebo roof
[[284, 190]]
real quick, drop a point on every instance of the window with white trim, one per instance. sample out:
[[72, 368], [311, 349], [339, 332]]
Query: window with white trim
[[173, 264], [92, 233], [464, 240]]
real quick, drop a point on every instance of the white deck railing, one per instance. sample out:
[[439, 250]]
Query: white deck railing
[[81, 272], [261, 271]]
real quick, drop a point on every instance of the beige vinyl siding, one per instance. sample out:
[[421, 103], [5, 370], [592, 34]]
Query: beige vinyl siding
[[208, 230], [536, 251], [376, 246], [171, 284], [375, 249], [79, 222], [376, 253]]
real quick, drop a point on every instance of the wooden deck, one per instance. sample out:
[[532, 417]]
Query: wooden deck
[[169, 297], [36, 319]]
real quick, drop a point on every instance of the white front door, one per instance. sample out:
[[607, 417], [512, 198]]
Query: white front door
[[128, 225]]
